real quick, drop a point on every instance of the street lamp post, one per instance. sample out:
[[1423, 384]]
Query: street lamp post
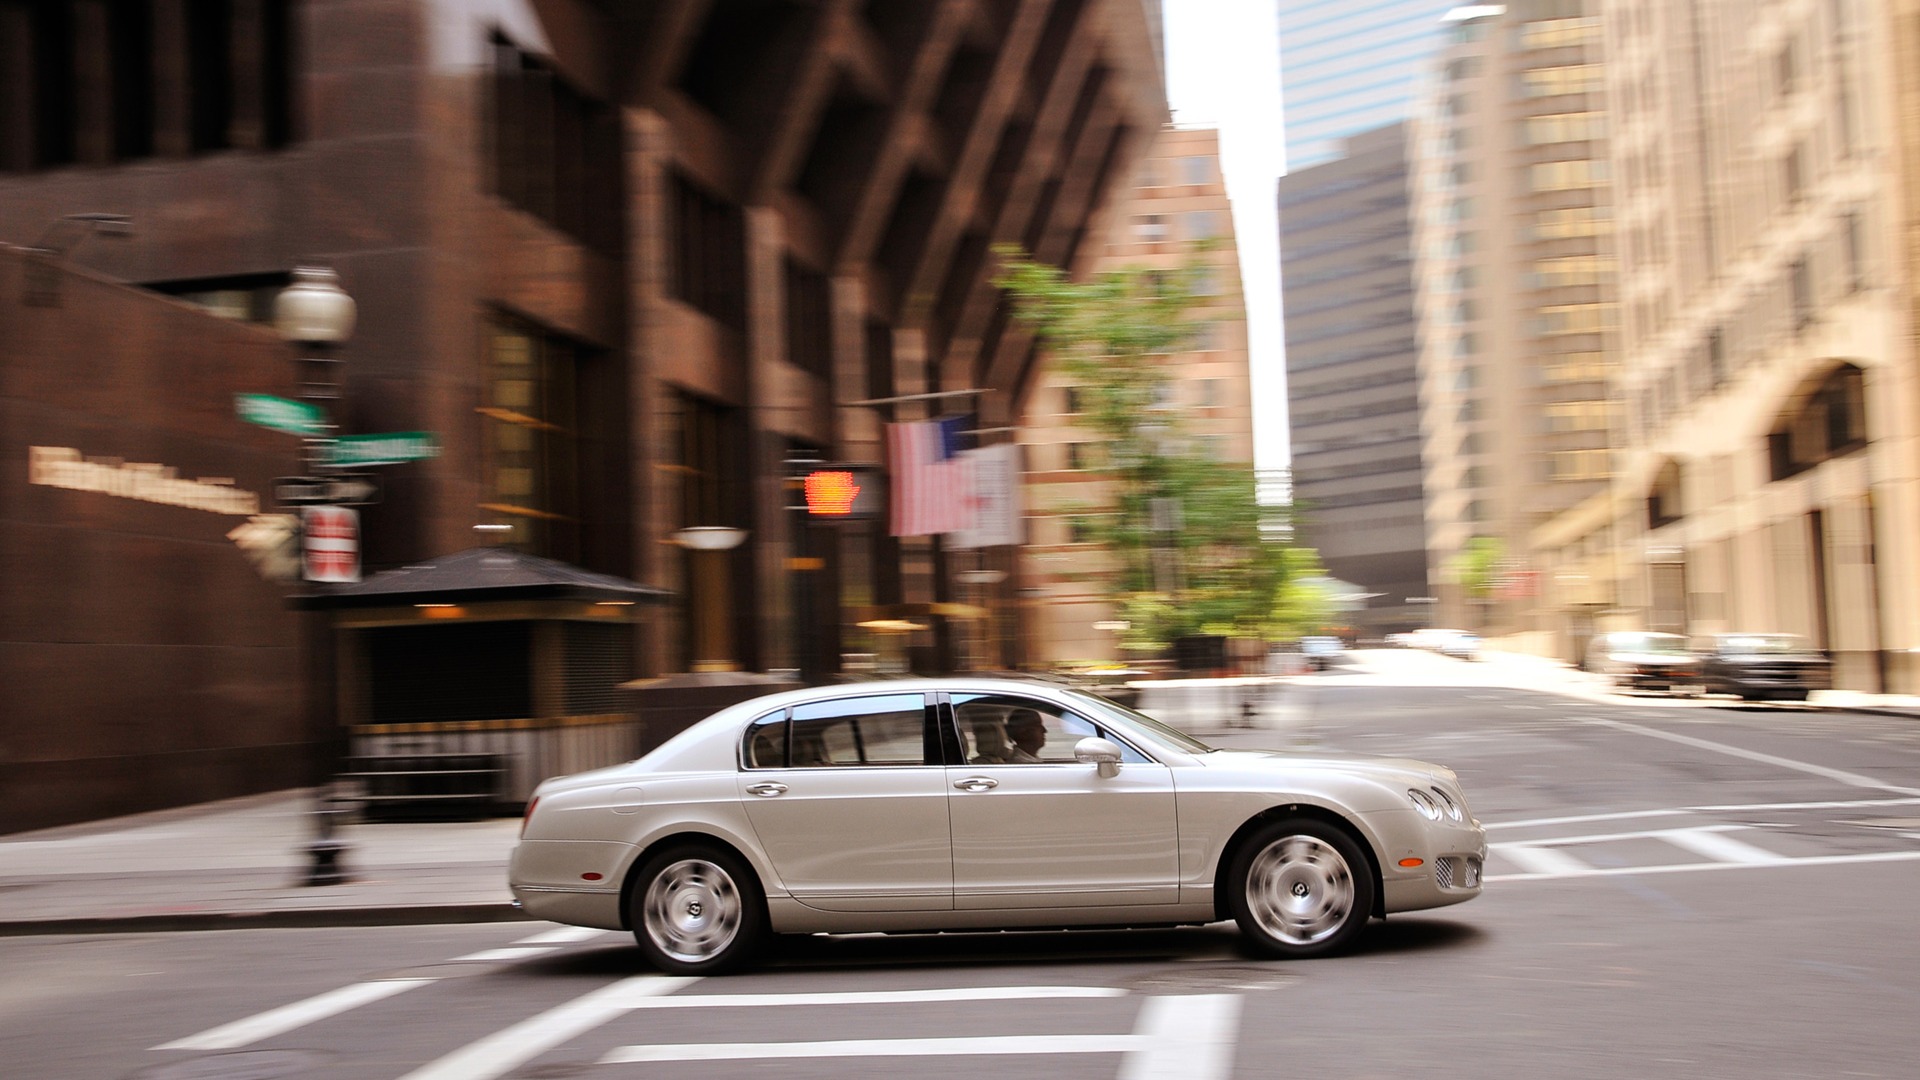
[[315, 315]]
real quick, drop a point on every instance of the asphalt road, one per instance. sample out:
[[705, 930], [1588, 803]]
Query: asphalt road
[[1675, 890]]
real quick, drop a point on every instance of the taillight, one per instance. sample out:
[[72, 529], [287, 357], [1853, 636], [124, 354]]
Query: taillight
[[527, 818]]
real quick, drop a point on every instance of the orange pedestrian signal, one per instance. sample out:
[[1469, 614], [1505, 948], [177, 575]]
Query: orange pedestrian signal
[[831, 492]]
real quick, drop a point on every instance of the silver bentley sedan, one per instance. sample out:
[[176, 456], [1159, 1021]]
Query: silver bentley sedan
[[983, 804]]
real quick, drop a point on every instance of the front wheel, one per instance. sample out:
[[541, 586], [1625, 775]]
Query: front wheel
[[1300, 888], [697, 910]]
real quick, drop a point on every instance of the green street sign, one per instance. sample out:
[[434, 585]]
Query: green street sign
[[389, 448], [280, 414]]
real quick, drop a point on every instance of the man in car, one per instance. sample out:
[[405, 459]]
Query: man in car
[[1028, 733]]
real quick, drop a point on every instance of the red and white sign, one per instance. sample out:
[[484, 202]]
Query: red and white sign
[[330, 544]]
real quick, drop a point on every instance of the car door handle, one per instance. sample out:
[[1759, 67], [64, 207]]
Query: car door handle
[[977, 783], [767, 790]]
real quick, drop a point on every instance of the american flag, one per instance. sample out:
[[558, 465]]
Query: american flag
[[931, 492]]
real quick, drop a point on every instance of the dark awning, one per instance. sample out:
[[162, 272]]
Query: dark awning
[[485, 574]]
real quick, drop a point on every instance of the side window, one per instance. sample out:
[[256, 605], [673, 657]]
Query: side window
[[884, 729], [997, 729], [766, 743]]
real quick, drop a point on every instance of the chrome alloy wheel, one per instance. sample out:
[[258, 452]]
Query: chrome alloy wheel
[[693, 910], [1300, 890]]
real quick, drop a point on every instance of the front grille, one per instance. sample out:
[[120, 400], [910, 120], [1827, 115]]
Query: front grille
[[1456, 872]]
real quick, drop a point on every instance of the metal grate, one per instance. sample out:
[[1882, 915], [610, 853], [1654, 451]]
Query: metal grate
[[1455, 872]]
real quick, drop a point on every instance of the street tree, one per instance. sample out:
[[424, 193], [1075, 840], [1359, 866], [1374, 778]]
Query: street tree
[[1195, 552]]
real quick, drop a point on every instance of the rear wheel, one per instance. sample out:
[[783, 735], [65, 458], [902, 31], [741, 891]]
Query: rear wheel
[[1300, 888], [697, 910]]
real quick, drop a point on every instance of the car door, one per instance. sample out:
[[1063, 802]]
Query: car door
[[849, 800], [1033, 828]]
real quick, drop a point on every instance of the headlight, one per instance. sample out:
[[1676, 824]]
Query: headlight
[[1424, 803], [1446, 800]]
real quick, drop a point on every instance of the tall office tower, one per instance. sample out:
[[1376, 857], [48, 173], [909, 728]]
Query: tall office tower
[[1176, 214], [1768, 478], [1346, 279], [1350, 67], [1516, 283]]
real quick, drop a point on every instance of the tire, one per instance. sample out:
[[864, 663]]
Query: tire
[[697, 910], [1300, 888]]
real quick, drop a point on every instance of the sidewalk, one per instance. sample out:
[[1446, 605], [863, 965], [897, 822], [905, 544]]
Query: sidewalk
[[1540, 673], [241, 863]]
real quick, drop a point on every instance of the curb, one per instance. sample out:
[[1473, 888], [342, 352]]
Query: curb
[[170, 922]]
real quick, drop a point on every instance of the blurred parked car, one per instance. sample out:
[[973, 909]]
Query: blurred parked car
[[1644, 660], [1783, 667], [982, 804], [1461, 645], [1322, 652]]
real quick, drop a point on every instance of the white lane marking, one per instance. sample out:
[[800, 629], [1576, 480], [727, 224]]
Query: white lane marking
[[1539, 861], [1685, 811], [507, 952], [1185, 1038], [851, 1048], [881, 997], [287, 1017], [1608, 838], [1176, 1038], [1685, 868], [1626, 815], [1841, 775], [509, 1048], [1715, 844], [563, 935]]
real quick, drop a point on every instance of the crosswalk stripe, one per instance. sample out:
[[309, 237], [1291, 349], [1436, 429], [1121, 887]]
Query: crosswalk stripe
[[1190, 1037], [509, 1048], [881, 997], [287, 1017], [1686, 868], [848, 1048], [1718, 845], [1540, 861], [563, 935]]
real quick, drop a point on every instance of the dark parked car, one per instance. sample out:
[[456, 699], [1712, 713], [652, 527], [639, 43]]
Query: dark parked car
[[1785, 667], [1644, 660]]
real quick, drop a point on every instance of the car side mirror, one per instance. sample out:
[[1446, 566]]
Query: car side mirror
[[1098, 752]]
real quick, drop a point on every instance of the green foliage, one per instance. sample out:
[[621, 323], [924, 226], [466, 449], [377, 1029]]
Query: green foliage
[[1197, 552], [1477, 566]]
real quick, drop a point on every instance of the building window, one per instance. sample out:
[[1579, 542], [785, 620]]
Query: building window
[[556, 151], [233, 88], [1800, 278], [1565, 127], [1568, 175], [709, 253], [1575, 79], [1577, 221], [1856, 243], [1196, 169], [532, 436], [1202, 224], [1150, 228], [1557, 33], [1072, 400], [1572, 270], [809, 320]]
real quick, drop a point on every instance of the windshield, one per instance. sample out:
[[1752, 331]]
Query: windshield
[[1653, 643], [1146, 726], [1764, 643]]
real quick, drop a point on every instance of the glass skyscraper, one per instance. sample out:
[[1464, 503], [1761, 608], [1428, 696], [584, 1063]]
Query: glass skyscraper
[[1350, 65]]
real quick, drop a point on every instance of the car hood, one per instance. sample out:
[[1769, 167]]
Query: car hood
[[1390, 769]]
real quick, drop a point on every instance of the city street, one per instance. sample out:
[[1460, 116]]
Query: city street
[[1676, 889]]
